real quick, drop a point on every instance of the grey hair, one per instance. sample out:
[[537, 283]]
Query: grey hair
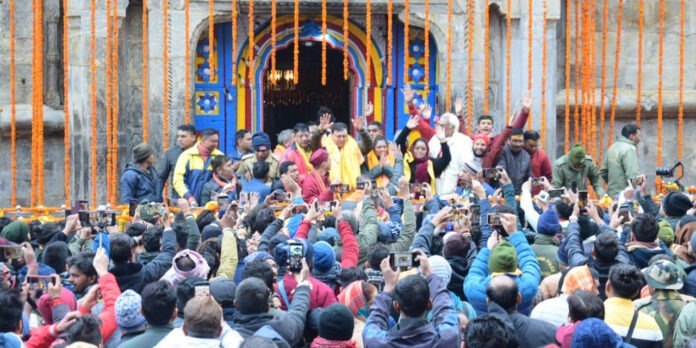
[[451, 119], [285, 136]]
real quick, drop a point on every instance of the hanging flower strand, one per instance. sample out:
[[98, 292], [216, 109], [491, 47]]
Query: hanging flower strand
[[368, 43], [680, 135], [566, 139], [93, 98], [165, 75], [345, 39], [602, 111], [390, 40], [507, 61], [187, 64], [659, 83], [486, 35], [616, 72], [40, 117], [323, 42], [576, 85], [252, 40], [426, 44], [639, 84], [406, 39], [296, 44], [234, 42], [530, 54], [543, 76], [109, 92], [13, 108], [273, 39], [115, 112]]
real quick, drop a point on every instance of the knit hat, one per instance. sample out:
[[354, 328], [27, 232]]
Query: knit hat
[[595, 333], [201, 268], [548, 223], [142, 151], [440, 267], [481, 136], [588, 228], [222, 290], [329, 235], [261, 141], [210, 231], [473, 167], [324, 257], [456, 245], [389, 231], [318, 157], [576, 155], [257, 256], [127, 309], [675, 204], [281, 252], [44, 304], [336, 323], [17, 232], [664, 274], [503, 258]]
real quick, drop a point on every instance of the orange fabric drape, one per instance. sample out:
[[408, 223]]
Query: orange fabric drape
[[426, 54], [543, 76], [659, 82], [566, 140], [470, 66], [616, 72], [390, 41], [530, 53], [187, 64], [13, 108], [508, 46], [93, 99], [146, 99], [368, 42], [639, 84], [296, 43], [680, 136], [448, 91], [165, 74]]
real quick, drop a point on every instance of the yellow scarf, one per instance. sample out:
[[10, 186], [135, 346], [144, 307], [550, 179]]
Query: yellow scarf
[[373, 161], [345, 162], [305, 155]]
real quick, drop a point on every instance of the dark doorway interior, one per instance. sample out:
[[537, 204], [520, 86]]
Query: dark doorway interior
[[286, 104]]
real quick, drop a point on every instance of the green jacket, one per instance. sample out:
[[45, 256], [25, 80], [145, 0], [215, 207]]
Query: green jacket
[[620, 164], [664, 306], [546, 249], [149, 338], [686, 325], [564, 175], [369, 229], [408, 232]]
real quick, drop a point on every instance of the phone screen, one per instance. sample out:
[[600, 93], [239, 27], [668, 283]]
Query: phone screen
[[493, 219], [202, 288], [132, 205], [556, 193], [623, 211], [637, 181], [223, 203], [401, 259], [582, 199], [37, 282], [296, 254], [11, 252], [475, 214]]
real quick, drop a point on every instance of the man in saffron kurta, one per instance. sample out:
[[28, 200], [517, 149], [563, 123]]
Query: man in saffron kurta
[[344, 153], [299, 151], [316, 184]]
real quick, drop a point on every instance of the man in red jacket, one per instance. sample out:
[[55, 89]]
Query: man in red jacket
[[541, 165]]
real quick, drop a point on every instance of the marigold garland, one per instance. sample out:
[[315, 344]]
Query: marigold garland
[[146, 99], [486, 37], [13, 108], [93, 97], [593, 77], [426, 54], [273, 39], [680, 136], [470, 66], [406, 40], [390, 40], [530, 54], [39, 108], [34, 123], [211, 34], [602, 111], [448, 91], [165, 75], [252, 40], [616, 72], [109, 91], [659, 83], [639, 84], [508, 46], [187, 64], [576, 85], [345, 39], [368, 43], [234, 42], [296, 44], [543, 75], [323, 42], [566, 139], [115, 112]]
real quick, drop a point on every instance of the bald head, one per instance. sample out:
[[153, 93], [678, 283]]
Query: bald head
[[504, 291]]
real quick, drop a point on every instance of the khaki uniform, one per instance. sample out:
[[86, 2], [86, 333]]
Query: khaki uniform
[[247, 166]]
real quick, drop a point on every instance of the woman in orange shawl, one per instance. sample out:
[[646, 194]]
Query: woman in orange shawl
[[384, 166]]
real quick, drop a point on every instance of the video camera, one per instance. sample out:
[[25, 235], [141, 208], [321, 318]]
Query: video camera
[[668, 172]]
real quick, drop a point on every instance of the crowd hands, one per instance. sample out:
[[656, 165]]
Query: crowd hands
[[447, 240]]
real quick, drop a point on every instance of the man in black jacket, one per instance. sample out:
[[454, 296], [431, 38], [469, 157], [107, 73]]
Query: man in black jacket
[[185, 138]]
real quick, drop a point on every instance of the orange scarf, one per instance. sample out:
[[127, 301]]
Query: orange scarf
[[373, 161]]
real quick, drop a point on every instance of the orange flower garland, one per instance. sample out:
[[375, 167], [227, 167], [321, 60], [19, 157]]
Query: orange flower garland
[[234, 42], [390, 39], [109, 91], [296, 44], [273, 39], [146, 99], [211, 34], [115, 113], [486, 35], [406, 39], [345, 39], [639, 84], [530, 54], [165, 75], [34, 86], [368, 43], [323, 42], [576, 115], [566, 139], [426, 54], [680, 136], [93, 98], [605, 25], [616, 72], [543, 76], [507, 61], [13, 108], [39, 107], [252, 40], [659, 83], [448, 91], [470, 65], [187, 64]]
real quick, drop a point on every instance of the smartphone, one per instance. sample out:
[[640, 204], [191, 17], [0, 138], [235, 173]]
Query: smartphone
[[12, 252], [295, 260], [491, 173], [83, 204], [582, 199], [402, 259], [223, 203], [637, 181], [202, 288], [555, 193], [537, 182], [83, 216], [300, 209], [360, 185], [475, 214], [625, 212], [417, 190], [132, 206], [493, 219], [38, 282]]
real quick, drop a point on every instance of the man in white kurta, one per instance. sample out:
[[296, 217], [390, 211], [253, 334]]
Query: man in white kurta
[[461, 148]]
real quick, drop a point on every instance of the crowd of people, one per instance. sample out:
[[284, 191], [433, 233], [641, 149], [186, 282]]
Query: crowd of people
[[439, 238]]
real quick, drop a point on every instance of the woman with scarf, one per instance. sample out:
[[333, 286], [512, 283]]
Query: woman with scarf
[[384, 165], [418, 166]]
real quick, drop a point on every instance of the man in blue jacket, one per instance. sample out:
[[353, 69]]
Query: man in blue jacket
[[413, 297], [140, 180], [513, 257]]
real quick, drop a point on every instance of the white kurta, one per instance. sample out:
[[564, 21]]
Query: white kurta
[[462, 150]]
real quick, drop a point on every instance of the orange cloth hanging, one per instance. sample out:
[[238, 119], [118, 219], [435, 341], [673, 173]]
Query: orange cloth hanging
[[639, 84], [146, 123], [659, 83], [187, 64], [680, 136], [13, 107], [470, 66], [165, 74], [566, 139], [616, 72], [448, 91]]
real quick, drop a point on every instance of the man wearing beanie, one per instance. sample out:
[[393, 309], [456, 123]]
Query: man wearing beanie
[[545, 242], [335, 328], [674, 207], [325, 267], [194, 167], [16, 231], [316, 184], [261, 143], [513, 257], [128, 315], [140, 180], [576, 166], [621, 160]]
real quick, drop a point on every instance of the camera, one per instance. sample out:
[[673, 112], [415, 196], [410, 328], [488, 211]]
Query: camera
[[403, 259], [555, 193], [668, 172], [97, 218]]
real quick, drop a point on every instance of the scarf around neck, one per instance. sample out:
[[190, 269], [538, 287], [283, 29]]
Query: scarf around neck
[[205, 153]]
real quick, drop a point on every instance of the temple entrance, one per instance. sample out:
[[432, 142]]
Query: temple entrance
[[285, 104]]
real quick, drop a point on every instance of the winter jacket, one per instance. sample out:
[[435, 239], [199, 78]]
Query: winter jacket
[[435, 165], [619, 315], [685, 327], [258, 186], [517, 166], [531, 333], [321, 296], [229, 257], [229, 338], [166, 168], [690, 282], [138, 184], [564, 175], [293, 155], [640, 254], [312, 188], [545, 248], [369, 229], [207, 191], [528, 282], [620, 164], [460, 265], [191, 172], [149, 338], [492, 155], [447, 183], [442, 331], [135, 276], [541, 165], [286, 330]]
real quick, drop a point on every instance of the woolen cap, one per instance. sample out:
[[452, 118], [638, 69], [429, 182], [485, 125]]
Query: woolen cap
[[676, 204], [318, 157], [142, 151], [503, 258], [336, 323]]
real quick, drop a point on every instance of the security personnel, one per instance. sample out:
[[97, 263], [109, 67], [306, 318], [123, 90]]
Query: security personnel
[[576, 166], [261, 143]]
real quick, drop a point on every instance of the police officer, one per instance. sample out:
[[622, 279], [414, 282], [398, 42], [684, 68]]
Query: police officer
[[261, 143]]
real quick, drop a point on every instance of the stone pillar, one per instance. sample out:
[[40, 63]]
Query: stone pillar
[[53, 53]]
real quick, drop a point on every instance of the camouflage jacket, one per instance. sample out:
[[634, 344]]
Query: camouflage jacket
[[664, 306]]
